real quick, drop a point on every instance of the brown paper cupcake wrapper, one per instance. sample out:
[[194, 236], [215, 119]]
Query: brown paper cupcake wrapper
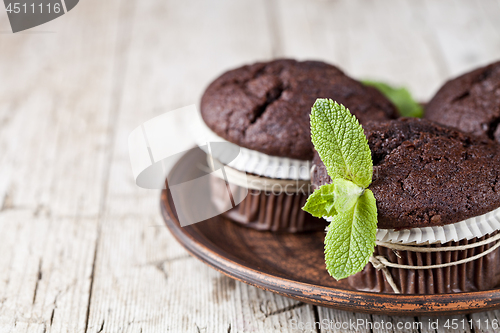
[[266, 210], [480, 274]]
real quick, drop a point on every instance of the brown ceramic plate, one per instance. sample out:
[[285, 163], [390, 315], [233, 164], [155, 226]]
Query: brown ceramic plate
[[292, 265]]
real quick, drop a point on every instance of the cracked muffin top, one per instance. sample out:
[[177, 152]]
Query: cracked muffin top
[[470, 102], [266, 106], [426, 174]]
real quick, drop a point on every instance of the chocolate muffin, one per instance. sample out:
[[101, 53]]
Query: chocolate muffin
[[266, 106], [426, 174], [435, 186], [470, 102], [264, 109]]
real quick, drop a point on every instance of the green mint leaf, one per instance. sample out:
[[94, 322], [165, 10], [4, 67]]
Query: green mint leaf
[[320, 202], [341, 143], [400, 97], [346, 194], [350, 239]]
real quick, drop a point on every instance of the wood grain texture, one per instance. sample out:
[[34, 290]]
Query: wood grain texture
[[54, 106], [83, 249]]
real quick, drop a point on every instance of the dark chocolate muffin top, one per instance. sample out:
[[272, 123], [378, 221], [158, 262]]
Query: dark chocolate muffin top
[[426, 174], [470, 102], [266, 106]]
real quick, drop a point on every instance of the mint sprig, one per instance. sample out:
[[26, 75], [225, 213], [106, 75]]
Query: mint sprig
[[400, 97], [342, 145]]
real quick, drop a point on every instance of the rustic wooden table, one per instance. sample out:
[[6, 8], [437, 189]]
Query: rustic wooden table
[[82, 248]]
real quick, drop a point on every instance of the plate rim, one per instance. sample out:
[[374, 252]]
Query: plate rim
[[342, 299]]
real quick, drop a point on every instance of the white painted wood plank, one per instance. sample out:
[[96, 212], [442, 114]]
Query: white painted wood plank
[[54, 107], [468, 35], [46, 270]]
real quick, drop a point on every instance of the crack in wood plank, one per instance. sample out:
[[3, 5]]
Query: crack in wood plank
[[40, 208], [418, 327], [162, 270], [469, 318], [199, 329], [119, 72], [102, 327], [283, 310], [7, 201], [316, 317], [39, 277], [52, 315], [92, 275]]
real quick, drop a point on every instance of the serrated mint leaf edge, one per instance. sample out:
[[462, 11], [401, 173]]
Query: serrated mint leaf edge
[[351, 266], [330, 124], [318, 203]]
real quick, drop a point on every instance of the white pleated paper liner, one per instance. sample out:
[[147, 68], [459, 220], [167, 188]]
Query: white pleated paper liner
[[478, 226], [258, 163]]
